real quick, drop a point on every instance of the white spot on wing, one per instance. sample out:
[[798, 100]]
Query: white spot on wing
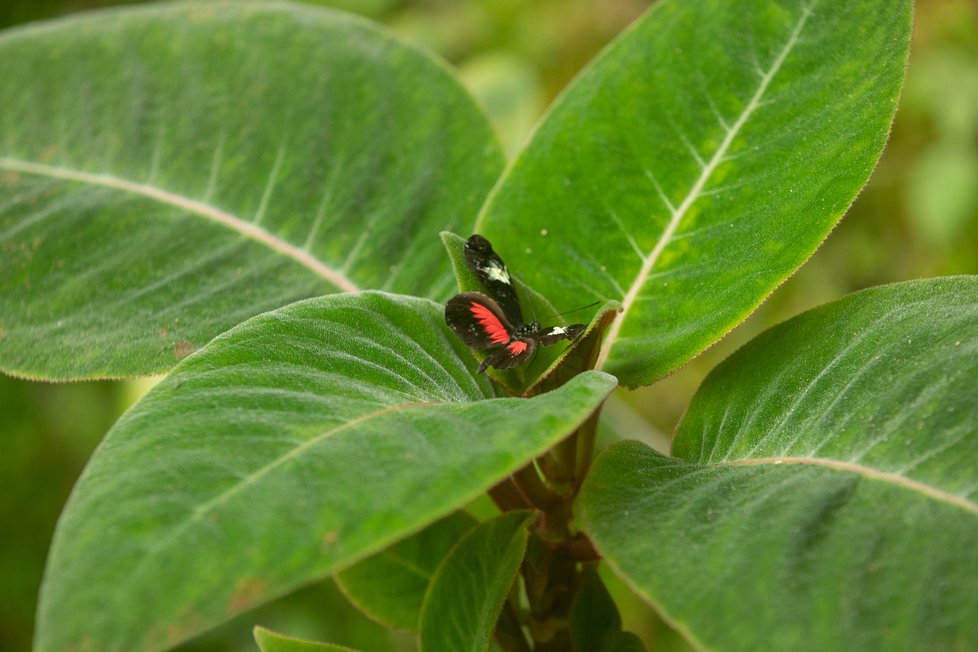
[[496, 273]]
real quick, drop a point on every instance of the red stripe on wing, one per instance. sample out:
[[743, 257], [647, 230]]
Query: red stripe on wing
[[517, 347], [490, 323]]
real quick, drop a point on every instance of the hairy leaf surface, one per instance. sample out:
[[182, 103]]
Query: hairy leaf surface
[[292, 446], [390, 586], [698, 162], [825, 490], [470, 586], [169, 171]]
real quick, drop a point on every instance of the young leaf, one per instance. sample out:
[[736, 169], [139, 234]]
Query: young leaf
[[168, 171], [825, 495], [390, 586], [594, 617], [288, 448], [698, 162], [470, 586], [270, 641]]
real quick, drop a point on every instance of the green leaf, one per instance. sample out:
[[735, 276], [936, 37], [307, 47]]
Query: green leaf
[[697, 163], [390, 586], [270, 641], [169, 171], [622, 642], [825, 497], [471, 584], [292, 446], [594, 615]]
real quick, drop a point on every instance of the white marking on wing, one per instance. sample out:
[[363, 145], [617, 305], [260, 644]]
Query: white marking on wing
[[496, 273]]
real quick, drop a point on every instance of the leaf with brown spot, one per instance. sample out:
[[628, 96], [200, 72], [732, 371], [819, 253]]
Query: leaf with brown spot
[[290, 447]]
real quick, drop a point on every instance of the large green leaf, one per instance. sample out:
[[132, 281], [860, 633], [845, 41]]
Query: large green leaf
[[698, 162], [825, 498], [470, 586], [286, 449], [168, 171]]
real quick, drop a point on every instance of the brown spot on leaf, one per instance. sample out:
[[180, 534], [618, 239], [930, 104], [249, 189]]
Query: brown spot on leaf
[[163, 331], [245, 594], [3, 332], [176, 632], [183, 349], [330, 538], [48, 153]]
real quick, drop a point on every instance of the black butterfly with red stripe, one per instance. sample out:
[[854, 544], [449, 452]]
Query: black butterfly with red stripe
[[495, 322]]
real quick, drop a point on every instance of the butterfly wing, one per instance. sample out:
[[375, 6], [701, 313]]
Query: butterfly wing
[[496, 323], [554, 334], [492, 273], [512, 355], [478, 321]]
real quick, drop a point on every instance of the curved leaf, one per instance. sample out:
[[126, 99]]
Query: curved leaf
[[594, 616], [168, 171], [269, 641], [471, 584], [390, 586], [826, 495], [292, 446], [698, 162]]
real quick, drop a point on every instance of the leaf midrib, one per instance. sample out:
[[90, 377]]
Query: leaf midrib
[[875, 474], [679, 212], [193, 206]]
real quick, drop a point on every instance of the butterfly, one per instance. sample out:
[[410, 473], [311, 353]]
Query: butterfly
[[496, 324]]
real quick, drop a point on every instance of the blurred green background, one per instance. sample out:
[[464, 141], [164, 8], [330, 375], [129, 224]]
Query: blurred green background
[[917, 217]]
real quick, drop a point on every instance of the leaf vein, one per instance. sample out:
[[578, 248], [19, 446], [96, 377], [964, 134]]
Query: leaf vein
[[865, 471], [245, 228], [695, 191]]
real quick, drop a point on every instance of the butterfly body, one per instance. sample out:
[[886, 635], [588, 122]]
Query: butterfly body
[[495, 323]]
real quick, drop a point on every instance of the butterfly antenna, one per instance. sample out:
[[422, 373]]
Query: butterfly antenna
[[571, 312]]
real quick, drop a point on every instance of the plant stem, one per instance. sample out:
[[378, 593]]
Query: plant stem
[[509, 633], [553, 571], [584, 452], [508, 497], [534, 490]]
